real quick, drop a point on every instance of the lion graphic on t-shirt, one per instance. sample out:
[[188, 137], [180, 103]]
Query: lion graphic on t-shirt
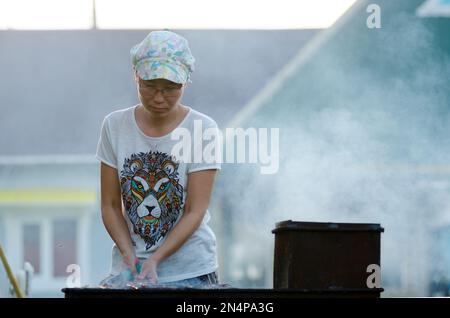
[[152, 194]]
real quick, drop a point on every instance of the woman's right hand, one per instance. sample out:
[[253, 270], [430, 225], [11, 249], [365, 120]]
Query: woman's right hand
[[130, 261]]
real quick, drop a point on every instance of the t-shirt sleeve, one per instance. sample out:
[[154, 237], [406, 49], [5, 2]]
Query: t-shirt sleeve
[[105, 152], [210, 152]]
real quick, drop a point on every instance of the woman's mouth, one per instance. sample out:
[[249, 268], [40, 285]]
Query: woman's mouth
[[158, 109]]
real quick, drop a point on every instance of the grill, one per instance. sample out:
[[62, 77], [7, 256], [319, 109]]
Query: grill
[[311, 260], [221, 294]]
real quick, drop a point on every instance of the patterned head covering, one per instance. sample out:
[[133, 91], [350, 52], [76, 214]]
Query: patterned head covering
[[163, 54]]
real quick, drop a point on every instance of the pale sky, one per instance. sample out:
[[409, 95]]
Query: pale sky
[[180, 14]]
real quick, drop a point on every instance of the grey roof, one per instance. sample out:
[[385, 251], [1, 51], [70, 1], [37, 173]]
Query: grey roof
[[56, 86], [383, 91]]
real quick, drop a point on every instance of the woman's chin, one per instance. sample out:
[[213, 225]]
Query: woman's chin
[[156, 109]]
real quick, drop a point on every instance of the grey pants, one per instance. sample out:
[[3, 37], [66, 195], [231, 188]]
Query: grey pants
[[199, 281]]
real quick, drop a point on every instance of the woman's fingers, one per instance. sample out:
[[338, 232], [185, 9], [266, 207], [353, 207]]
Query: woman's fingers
[[144, 272], [132, 266], [142, 275], [148, 273]]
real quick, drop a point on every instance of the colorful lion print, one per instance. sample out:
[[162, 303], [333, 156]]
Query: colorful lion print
[[152, 195]]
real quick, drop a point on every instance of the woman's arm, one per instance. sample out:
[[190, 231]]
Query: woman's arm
[[112, 215], [199, 189]]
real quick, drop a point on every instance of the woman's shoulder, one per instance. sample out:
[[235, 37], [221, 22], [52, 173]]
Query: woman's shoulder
[[118, 116], [207, 121]]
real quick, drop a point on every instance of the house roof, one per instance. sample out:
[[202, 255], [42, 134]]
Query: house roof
[[382, 93], [56, 86]]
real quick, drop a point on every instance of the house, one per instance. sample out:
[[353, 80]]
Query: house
[[55, 89]]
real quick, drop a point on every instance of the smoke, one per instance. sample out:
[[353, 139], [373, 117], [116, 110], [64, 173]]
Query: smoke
[[364, 138]]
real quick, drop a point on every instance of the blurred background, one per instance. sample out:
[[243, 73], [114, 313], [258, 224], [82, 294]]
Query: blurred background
[[363, 113]]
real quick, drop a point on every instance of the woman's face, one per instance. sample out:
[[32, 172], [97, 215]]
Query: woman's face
[[159, 95]]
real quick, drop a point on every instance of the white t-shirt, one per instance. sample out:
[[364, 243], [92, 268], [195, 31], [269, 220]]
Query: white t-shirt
[[153, 187]]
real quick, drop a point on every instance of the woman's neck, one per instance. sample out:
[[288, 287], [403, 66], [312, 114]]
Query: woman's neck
[[164, 121], [160, 119]]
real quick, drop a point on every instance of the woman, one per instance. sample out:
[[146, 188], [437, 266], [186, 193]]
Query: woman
[[155, 205]]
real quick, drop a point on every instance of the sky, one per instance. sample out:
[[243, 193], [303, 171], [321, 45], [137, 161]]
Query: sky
[[149, 14]]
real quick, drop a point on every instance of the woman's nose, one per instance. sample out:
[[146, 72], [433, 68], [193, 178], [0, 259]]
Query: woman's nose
[[158, 96]]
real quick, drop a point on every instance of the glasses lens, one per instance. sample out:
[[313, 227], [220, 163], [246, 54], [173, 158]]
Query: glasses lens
[[166, 92], [172, 91]]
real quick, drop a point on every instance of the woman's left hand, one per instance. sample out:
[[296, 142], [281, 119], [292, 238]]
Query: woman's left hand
[[148, 271]]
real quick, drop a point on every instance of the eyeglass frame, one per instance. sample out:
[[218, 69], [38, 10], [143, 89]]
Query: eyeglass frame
[[176, 89]]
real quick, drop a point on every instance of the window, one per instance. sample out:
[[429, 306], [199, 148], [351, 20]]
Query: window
[[32, 246], [64, 245], [49, 237], [50, 245]]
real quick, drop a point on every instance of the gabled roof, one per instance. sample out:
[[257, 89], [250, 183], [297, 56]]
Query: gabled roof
[[383, 91], [56, 86]]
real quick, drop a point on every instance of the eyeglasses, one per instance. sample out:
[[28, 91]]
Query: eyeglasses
[[166, 92]]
